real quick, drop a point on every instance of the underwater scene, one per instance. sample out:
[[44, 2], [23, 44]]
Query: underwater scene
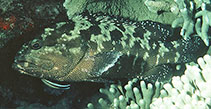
[[105, 54]]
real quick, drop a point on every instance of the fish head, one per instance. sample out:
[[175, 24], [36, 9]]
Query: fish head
[[49, 56]]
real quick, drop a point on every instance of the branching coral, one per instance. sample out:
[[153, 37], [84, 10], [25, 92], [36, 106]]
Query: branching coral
[[131, 99], [187, 18], [199, 2], [206, 18], [190, 91]]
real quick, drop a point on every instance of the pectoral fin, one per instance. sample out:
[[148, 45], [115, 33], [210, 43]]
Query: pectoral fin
[[104, 61]]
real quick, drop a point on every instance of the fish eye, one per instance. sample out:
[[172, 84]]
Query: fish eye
[[36, 44]]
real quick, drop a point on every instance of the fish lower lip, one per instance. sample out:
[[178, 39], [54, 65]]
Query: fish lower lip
[[22, 71], [19, 68], [18, 64]]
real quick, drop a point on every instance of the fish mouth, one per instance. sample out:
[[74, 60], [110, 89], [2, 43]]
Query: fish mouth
[[19, 66], [27, 67]]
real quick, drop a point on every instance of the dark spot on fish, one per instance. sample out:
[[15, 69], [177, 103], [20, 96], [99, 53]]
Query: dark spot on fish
[[175, 35], [137, 44], [169, 45], [95, 30], [139, 32], [128, 39], [151, 42], [82, 23], [85, 34], [93, 20], [116, 35], [67, 28]]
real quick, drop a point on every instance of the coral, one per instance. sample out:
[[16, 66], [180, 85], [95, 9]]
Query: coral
[[188, 16], [190, 91], [199, 2], [131, 97], [203, 30]]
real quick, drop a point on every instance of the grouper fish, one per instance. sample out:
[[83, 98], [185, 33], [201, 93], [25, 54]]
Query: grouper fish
[[103, 48]]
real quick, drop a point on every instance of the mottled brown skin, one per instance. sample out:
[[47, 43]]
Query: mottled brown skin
[[101, 48]]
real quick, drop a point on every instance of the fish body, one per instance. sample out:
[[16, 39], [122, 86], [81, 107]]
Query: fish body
[[100, 48]]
